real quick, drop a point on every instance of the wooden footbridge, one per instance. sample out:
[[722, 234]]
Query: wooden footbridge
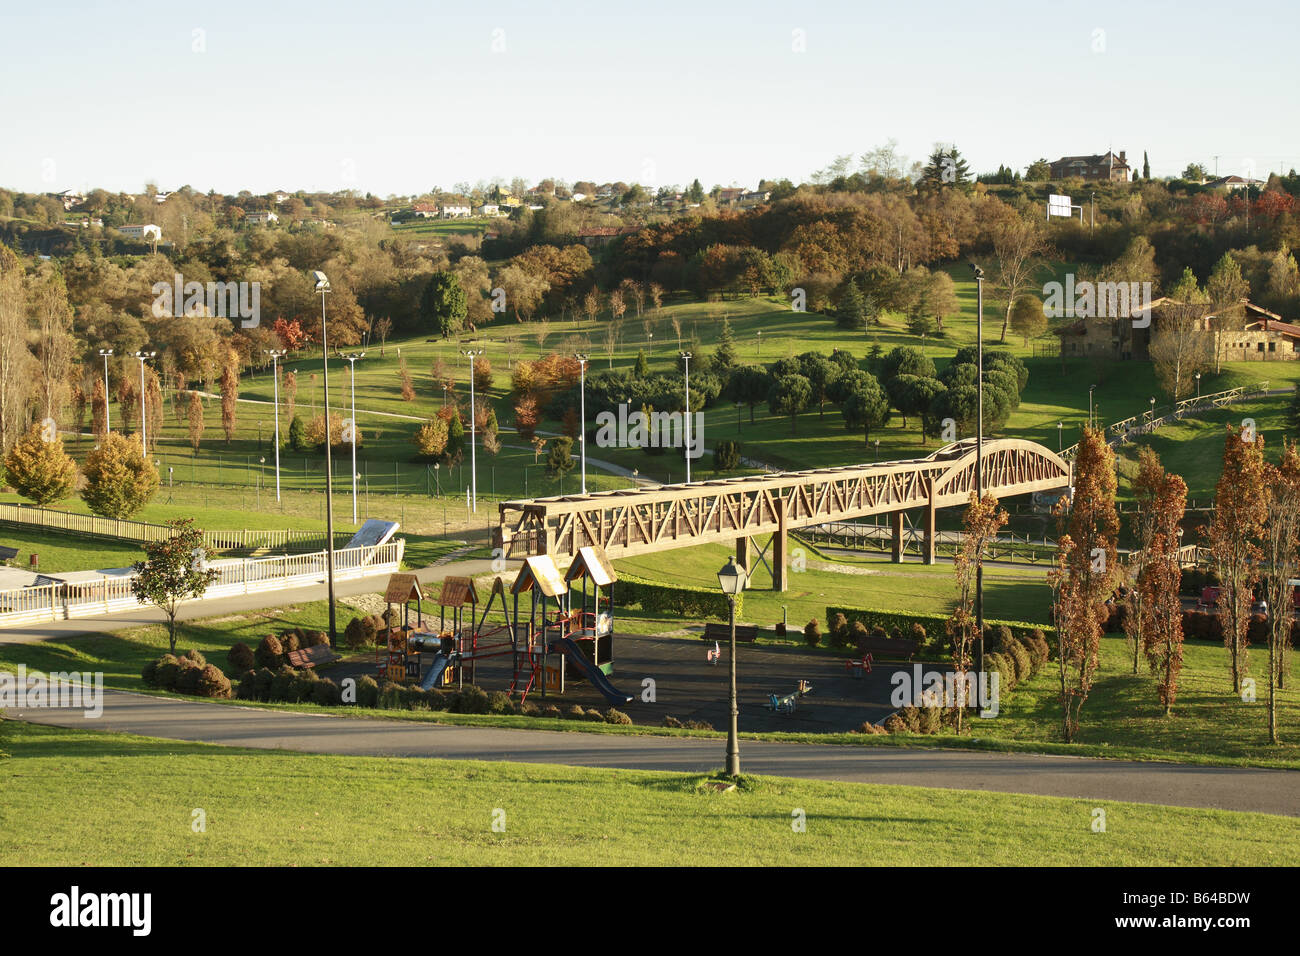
[[640, 520]]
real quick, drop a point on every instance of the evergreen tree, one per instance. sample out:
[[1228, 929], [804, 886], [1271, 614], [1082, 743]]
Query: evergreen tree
[[724, 356], [852, 311], [1146, 166], [642, 368], [444, 305]]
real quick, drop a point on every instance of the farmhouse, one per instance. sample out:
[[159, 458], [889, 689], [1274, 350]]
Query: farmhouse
[[425, 210], [1262, 337], [261, 218], [146, 231], [454, 211], [1107, 166]]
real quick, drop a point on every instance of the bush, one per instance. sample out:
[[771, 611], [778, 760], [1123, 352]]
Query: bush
[[674, 600], [529, 709], [354, 635], [314, 639], [166, 670], [929, 720], [213, 683], [367, 692], [697, 725], [1039, 650], [440, 699], [282, 684], [812, 633], [671, 721], [262, 682], [894, 724], [933, 623], [290, 642], [247, 689], [302, 686], [615, 716], [916, 632], [390, 696], [594, 716], [499, 702], [858, 636], [869, 728], [326, 693], [187, 681], [1019, 657], [196, 658], [240, 658], [470, 700], [149, 673], [550, 710], [574, 712], [839, 634], [1005, 668], [269, 654]]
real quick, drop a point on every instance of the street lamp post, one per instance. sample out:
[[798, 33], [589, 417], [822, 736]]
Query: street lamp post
[[473, 431], [1198, 388], [582, 401], [686, 357], [1091, 389], [352, 364], [144, 414], [1060, 431], [732, 580], [1152, 419], [276, 355], [104, 354], [979, 460], [323, 286]]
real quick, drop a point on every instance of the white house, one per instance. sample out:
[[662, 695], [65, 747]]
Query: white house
[[145, 231], [261, 218], [454, 211], [488, 209]]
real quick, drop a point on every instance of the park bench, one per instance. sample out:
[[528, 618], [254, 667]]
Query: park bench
[[888, 647], [745, 633], [311, 656], [7, 554]]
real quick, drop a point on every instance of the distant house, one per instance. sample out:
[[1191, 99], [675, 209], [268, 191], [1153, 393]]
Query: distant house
[[69, 199], [728, 196], [487, 209], [279, 196], [1263, 337], [578, 197], [146, 231], [425, 210], [454, 211], [598, 236], [1107, 166], [757, 196], [1235, 182], [261, 218]]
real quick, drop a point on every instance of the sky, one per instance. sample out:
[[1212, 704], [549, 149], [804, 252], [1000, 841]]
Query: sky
[[393, 97]]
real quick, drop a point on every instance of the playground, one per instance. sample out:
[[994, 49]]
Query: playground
[[549, 638]]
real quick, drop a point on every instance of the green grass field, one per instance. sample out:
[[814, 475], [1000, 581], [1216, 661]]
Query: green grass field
[[62, 552], [76, 798]]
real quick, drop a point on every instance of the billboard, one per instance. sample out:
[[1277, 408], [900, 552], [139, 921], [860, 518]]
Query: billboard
[[1058, 206]]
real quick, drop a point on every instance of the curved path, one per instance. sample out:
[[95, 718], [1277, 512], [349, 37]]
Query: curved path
[[1263, 791]]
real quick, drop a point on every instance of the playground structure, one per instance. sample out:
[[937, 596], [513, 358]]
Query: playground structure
[[550, 639], [788, 704]]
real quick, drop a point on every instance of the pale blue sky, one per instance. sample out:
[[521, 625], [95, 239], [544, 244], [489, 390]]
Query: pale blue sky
[[397, 97]]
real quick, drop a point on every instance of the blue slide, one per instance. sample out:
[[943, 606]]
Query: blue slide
[[591, 672], [440, 662]]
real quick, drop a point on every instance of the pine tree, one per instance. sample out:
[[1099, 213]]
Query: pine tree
[[642, 368], [1146, 166], [852, 313], [724, 356]]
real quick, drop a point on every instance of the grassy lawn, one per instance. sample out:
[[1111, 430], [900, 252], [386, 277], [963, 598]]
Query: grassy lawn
[[64, 552], [841, 579], [134, 797]]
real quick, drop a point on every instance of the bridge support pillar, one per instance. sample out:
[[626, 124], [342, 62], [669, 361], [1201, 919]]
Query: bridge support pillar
[[742, 553], [928, 546], [896, 536], [781, 553]]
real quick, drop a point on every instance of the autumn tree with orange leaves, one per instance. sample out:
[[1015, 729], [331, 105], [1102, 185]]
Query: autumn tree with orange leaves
[[1160, 581], [1239, 512], [1281, 537], [980, 525]]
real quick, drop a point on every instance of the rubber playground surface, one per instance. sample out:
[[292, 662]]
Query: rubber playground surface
[[675, 673]]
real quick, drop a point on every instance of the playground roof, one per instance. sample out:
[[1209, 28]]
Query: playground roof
[[592, 560], [539, 571], [457, 592], [402, 588]]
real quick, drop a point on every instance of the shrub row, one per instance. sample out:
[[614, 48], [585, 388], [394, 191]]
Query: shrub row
[[679, 600], [933, 624], [190, 674]]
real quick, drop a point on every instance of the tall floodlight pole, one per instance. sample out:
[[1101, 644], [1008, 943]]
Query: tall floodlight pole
[[686, 358], [276, 355], [352, 360], [979, 462], [323, 286], [104, 354], [582, 401], [144, 415], [473, 433]]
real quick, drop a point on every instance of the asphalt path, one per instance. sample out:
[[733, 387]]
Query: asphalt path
[[1087, 779]]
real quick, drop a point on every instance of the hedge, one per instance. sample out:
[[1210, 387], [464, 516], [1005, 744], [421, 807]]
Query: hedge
[[933, 623], [679, 600]]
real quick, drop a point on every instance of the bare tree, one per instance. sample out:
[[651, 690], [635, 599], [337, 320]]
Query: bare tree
[[1180, 347], [613, 331], [1018, 247]]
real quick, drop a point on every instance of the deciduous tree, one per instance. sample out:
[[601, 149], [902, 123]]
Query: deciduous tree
[[38, 468], [173, 572]]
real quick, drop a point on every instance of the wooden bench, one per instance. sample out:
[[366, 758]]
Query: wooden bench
[[311, 656], [901, 648], [745, 633]]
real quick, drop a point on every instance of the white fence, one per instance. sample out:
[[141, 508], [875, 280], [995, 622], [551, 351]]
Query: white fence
[[72, 599]]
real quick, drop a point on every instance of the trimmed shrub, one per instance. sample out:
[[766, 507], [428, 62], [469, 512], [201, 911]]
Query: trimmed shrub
[[247, 689], [195, 657], [354, 635], [529, 709], [314, 639], [894, 724], [262, 680], [187, 680], [933, 623], [290, 642], [916, 632], [326, 693], [240, 658], [440, 699], [671, 721], [302, 686], [282, 683], [999, 662], [839, 631], [166, 670], [149, 673], [390, 696], [697, 725], [470, 700], [869, 728], [1019, 657], [574, 712], [615, 716], [929, 720], [367, 692], [812, 633], [594, 716], [269, 654], [550, 710], [674, 600], [499, 702], [213, 683]]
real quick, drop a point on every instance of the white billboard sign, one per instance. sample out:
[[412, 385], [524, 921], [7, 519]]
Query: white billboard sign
[[1059, 206]]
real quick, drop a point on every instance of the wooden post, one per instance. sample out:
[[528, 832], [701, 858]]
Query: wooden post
[[927, 551], [780, 550], [896, 527], [742, 553]]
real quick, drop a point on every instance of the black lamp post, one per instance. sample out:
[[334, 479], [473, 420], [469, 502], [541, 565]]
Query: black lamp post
[[732, 580], [979, 460]]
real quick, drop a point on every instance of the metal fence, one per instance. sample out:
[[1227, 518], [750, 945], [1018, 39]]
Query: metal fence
[[141, 532], [64, 600]]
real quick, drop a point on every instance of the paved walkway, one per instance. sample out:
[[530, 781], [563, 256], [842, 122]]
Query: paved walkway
[[1089, 780]]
